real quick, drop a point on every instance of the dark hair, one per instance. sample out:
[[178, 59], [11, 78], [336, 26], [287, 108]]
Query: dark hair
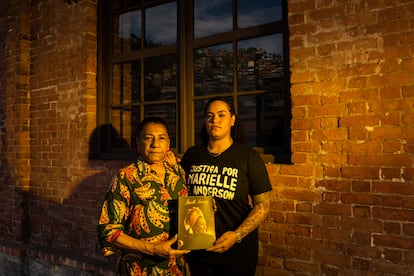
[[149, 120], [237, 131]]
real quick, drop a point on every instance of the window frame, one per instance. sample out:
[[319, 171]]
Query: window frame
[[184, 47]]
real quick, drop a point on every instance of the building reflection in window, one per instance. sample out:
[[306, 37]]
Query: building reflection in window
[[213, 70]]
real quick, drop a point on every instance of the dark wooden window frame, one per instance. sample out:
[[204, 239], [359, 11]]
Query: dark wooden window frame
[[185, 98]]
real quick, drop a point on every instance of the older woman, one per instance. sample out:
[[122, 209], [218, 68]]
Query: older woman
[[135, 217]]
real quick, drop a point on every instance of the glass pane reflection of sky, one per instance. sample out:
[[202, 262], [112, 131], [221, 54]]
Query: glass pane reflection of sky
[[253, 13], [215, 16], [160, 25], [212, 17]]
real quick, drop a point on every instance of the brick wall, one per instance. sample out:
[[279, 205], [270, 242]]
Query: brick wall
[[344, 207]]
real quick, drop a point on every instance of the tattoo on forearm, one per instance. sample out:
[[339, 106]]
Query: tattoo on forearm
[[261, 207]]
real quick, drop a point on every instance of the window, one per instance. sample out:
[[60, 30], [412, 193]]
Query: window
[[167, 58]]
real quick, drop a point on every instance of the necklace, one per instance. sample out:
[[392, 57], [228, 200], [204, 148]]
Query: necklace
[[214, 154]]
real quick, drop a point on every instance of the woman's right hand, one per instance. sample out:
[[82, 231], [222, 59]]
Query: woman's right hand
[[164, 249]]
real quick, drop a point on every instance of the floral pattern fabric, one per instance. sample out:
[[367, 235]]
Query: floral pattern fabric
[[137, 204]]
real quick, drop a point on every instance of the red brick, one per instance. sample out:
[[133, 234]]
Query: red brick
[[392, 228], [361, 186], [395, 214], [388, 187], [333, 209], [393, 241], [345, 204], [335, 185]]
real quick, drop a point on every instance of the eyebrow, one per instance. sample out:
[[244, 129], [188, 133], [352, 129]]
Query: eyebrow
[[154, 135], [220, 111]]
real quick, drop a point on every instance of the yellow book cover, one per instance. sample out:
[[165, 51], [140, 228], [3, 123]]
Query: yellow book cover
[[196, 222]]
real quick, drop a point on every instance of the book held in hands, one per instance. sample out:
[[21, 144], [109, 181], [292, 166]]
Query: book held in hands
[[196, 222]]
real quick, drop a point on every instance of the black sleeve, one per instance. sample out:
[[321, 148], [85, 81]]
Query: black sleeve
[[258, 176]]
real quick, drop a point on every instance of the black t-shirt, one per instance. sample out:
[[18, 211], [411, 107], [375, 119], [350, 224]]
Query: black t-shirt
[[231, 178]]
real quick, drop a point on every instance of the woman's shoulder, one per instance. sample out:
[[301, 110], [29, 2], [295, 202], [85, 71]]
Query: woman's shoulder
[[246, 151], [243, 148], [194, 150], [190, 154]]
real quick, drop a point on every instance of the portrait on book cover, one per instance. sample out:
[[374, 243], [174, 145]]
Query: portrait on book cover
[[197, 227]]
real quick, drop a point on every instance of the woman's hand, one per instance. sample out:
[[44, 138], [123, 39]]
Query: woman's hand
[[171, 158], [164, 249], [261, 207], [224, 243]]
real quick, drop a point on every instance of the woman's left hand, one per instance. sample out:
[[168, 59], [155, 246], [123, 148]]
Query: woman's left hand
[[171, 158], [224, 243]]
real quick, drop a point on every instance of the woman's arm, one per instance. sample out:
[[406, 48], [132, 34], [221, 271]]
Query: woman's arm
[[164, 249], [261, 207]]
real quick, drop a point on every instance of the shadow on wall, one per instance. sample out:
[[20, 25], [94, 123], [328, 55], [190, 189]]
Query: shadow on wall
[[69, 227], [104, 138]]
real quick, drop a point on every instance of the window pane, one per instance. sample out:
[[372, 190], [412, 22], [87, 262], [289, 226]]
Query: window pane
[[212, 17], [253, 13], [263, 119], [168, 112], [160, 78], [122, 120], [213, 70], [125, 83], [260, 63], [198, 119], [127, 32], [161, 25]]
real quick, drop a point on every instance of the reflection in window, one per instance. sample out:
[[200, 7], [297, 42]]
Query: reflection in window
[[199, 106], [126, 86], [121, 122], [253, 13], [213, 70], [212, 17], [127, 32], [161, 25], [260, 63], [160, 78], [263, 119]]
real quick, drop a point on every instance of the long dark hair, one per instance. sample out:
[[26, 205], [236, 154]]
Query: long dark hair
[[237, 131]]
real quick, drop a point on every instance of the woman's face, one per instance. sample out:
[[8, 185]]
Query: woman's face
[[200, 226], [219, 120], [153, 143]]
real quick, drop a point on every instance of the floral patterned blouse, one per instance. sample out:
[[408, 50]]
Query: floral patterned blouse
[[137, 204]]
